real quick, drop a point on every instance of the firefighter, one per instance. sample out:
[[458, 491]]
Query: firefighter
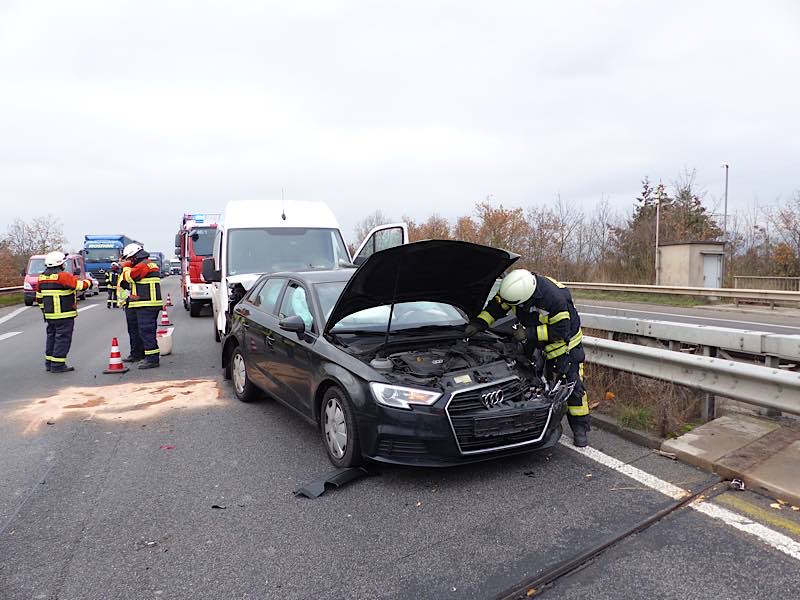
[[58, 298], [112, 278], [548, 321], [143, 280], [136, 348]]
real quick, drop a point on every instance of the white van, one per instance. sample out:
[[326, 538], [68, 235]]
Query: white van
[[267, 236]]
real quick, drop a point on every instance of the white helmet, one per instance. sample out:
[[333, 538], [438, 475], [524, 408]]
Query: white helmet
[[130, 250], [54, 259], [518, 286]]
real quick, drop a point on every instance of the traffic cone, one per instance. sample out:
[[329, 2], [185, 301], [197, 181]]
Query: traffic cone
[[164, 318], [115, 360], [169, 300]]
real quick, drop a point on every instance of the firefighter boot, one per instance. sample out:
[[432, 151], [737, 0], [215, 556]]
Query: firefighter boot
[[61, 369]]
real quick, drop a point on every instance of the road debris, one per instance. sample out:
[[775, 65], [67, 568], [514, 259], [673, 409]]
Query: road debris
[[219, 506], [776, 506], [167, 447], [668, 455], [336, 478], [736, 484]]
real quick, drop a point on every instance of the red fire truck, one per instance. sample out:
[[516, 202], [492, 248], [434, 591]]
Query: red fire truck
[[193, 243]]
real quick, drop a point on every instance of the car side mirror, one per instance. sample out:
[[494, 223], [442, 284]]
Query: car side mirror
[[177, 242], [22, 273], [210, 274], [293, 323]]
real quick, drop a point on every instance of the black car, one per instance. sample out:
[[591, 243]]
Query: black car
[[415, 392]]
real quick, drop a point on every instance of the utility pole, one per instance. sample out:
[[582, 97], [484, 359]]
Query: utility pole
[[726, 166], [658, 222]]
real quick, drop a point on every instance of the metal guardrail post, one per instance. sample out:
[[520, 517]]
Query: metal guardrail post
[[708, 411]]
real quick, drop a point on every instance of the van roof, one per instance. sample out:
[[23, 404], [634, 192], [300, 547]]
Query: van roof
[[267, 213]]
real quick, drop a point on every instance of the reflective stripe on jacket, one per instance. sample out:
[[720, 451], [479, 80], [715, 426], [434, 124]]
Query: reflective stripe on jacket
[[145, 284], [58, 293]]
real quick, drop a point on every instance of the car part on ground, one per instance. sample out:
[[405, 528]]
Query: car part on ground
[[336, 478]]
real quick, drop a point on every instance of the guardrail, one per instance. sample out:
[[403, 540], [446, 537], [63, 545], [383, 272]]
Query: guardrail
[[10, 290], [759, 343], [790, 284], [761, 386], [770, 297]]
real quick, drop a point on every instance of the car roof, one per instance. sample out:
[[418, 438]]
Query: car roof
[[331, 276]]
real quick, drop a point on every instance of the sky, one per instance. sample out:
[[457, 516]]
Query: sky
[[118, 117]]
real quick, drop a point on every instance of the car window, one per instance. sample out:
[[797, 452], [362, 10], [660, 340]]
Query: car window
[[296, 303], [381, 240], [267, 296], [252, 294]]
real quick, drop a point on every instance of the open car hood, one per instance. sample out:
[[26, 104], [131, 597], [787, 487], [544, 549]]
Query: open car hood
[[457, 273]]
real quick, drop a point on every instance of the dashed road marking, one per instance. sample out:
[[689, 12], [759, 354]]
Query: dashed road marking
[[13, 314], [10, 334], [87, 307], [770, 537]]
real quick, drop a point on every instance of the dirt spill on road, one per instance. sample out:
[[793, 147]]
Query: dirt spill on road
[[120, 402]]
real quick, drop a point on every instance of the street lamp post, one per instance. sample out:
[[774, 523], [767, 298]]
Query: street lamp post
[[725, 166], [658, 221]]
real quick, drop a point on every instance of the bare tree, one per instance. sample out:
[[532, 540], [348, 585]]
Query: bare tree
[[37, 236], [369, 223]]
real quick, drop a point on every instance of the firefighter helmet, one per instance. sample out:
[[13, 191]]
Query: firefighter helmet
[[518, 286], [131, 249], [54, 259]]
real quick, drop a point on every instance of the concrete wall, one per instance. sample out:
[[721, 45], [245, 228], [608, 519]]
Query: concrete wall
[[682, 264]]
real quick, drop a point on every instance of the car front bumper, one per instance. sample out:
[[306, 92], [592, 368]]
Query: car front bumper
[[431, 437]]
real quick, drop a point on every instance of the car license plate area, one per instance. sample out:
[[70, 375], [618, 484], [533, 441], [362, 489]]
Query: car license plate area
[[506, 424]]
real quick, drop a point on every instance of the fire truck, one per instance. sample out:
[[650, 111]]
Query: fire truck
[[193, 243]]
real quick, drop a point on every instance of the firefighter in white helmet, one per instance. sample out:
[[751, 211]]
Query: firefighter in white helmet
[[58, 299], [547, 320], [142, 278]]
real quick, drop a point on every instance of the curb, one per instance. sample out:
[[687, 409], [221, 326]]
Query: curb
[[610, 424]]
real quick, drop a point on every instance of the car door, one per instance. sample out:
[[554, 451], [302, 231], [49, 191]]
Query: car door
[[293, 357], [381, 238], [259, 332]]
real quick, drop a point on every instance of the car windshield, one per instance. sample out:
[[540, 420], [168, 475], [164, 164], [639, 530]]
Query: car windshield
[[101, 255], [407, 315], [204, 244], [284, 249], [36, 266]]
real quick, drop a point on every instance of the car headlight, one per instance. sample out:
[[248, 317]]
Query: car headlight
[[27, 286], [402, 397]]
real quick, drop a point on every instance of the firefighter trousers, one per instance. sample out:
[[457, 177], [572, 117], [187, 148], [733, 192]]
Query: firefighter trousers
[[147, 320], [137, 349], [578, 401], [112, 298], [58, 341]]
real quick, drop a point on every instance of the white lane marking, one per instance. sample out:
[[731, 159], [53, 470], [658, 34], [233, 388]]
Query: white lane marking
[[770, 537], [87, 307], [647, 312], [10, 334], [13, 314]]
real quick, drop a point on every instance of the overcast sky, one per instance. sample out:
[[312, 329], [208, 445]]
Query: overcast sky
[[120, 116]]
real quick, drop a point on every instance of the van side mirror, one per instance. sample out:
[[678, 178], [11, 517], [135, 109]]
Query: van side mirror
[[177, 243], [293, 323], [210, 274], [22, 273]]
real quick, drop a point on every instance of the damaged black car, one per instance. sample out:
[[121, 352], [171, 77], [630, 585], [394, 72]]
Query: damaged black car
[[375, 357]]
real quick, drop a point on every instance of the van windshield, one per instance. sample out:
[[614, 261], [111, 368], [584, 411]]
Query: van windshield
[[36, 266], [284, 249]]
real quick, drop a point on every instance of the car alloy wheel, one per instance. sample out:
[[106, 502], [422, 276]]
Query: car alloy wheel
[[335, 428]]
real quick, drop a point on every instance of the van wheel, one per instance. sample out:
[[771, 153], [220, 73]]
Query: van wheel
[[28, 301], [195, 308]]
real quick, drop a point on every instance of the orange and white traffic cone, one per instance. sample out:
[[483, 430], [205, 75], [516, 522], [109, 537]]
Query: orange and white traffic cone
[[115, 359], [169, 300], [164, 318]]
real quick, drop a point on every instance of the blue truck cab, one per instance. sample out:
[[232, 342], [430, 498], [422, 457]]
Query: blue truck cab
[[100, 251]]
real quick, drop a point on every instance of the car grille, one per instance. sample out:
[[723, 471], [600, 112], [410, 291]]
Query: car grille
[[478, 429], [401, 447]]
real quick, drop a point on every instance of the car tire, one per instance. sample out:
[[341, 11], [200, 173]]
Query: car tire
[[28, 301], [338, 427], [195, 308], [242, 386]]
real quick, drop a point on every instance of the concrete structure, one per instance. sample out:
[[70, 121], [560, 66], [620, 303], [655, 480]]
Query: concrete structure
[[692, 264]]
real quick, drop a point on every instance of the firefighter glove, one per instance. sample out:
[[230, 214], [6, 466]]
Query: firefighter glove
[[475, 326], [520, 334]]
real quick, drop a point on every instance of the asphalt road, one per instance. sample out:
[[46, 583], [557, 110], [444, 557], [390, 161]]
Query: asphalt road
[[784, 321], [109, 485]]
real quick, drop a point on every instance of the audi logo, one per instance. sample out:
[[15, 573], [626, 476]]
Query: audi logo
[[492, 398]]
